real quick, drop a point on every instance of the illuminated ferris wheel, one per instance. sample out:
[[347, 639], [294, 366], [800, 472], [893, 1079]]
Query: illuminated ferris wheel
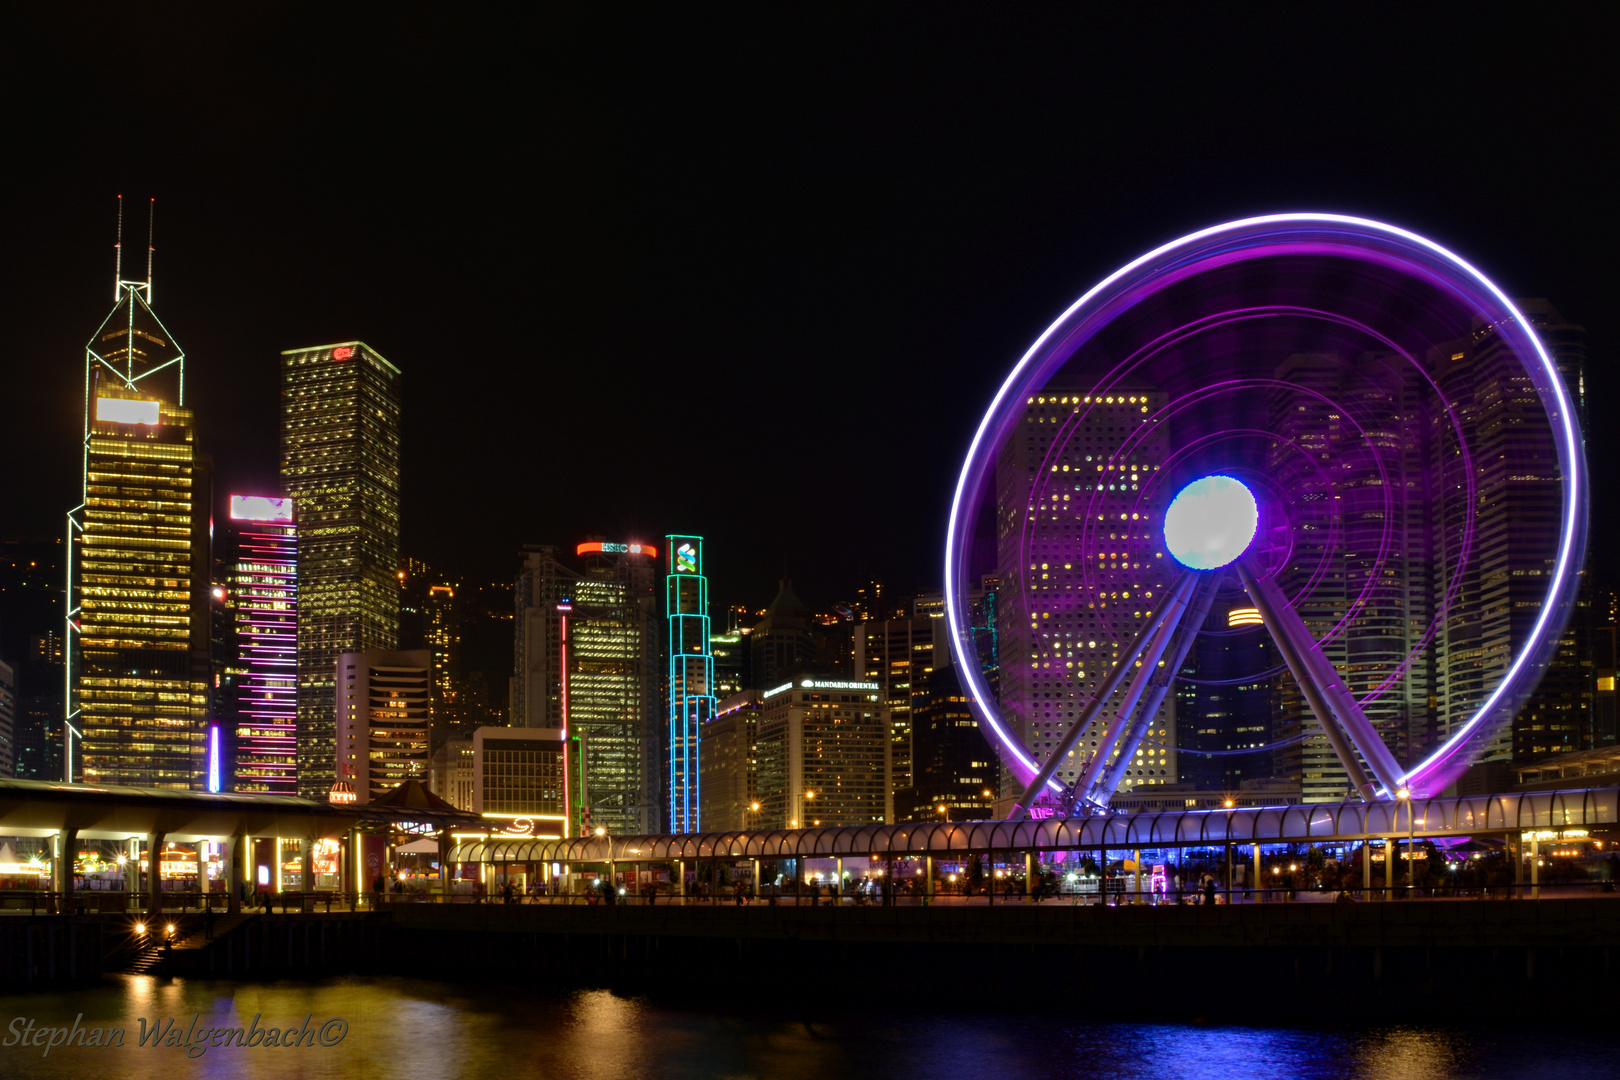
[[1324, 429]]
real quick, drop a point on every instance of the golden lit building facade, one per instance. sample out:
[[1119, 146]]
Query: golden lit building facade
[[340, 464], [138, 619]]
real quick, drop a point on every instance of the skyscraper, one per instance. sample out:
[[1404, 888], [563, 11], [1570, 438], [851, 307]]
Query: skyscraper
[[1520, 496], [138, 624], [8, 720], [953, 768], [382, 719], [823, 754], [31, 642], [731, 653], [691, 678], [443, 625], [609, 694], [899, 654], [730, 763], [1363, 583], [1079, 606], [340, 465], [256, 691], [537, 674]]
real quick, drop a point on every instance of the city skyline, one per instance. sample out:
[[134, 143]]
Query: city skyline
[[840, 565], [937, 260]]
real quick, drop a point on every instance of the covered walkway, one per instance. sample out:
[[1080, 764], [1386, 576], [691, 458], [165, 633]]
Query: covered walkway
[[1481, 815], [1522, 817], [154, 821]]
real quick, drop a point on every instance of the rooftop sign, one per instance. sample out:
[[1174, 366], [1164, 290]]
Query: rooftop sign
[[595, 546], [260, 508]]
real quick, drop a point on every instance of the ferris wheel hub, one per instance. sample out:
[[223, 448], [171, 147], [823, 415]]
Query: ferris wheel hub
[[1211, 522]]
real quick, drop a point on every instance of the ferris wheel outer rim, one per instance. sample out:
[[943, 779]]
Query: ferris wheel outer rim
[[1572, 464]]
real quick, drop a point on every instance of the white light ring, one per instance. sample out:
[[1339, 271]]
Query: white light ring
[[1445, 763]]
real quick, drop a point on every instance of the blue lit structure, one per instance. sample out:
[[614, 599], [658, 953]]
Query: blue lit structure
[[691, 676]]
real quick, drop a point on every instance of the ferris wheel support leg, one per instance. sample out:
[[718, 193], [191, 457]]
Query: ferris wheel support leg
[[1363, 736], [1271, 606], [1169, 612], [1190, 627]]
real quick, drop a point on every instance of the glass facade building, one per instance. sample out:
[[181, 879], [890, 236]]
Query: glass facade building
[[607, 651], [138, 579], [340, 465], [1069, 635], [520, 778], [256, 684]]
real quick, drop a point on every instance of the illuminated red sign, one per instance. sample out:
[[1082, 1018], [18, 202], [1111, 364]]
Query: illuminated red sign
[[616, 549], [342, 352]]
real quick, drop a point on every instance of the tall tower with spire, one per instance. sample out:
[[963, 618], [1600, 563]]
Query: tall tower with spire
[[138, 565]]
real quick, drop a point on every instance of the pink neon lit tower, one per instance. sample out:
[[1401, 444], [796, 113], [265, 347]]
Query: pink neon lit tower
[[260, 676]]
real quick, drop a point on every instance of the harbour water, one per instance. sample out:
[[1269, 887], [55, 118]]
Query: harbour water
[[407, 1028]]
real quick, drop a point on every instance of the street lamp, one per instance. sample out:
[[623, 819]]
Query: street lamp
[[803, 803]]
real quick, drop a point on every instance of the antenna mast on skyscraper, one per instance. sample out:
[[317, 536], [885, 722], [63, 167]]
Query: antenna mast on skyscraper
[[118, 252], [151, 218]]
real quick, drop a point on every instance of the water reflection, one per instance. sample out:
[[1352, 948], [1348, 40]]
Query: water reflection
[[410, 1028]]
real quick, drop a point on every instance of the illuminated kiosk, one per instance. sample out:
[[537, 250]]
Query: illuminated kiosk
[[1327, 425]]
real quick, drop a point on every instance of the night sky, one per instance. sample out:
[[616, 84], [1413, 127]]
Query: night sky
[[720, 270]]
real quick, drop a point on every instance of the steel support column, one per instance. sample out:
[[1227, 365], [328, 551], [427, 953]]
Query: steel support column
[[229, 863], [154, 889], [62, 866]]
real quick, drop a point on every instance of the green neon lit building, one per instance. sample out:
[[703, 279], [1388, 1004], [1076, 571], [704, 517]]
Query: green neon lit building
[[691, 677]]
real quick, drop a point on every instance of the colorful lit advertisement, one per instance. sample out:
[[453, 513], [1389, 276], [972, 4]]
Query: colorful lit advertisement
[[594, 546], [260, 508], [126, 411], [324, 857], [686, 559]]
